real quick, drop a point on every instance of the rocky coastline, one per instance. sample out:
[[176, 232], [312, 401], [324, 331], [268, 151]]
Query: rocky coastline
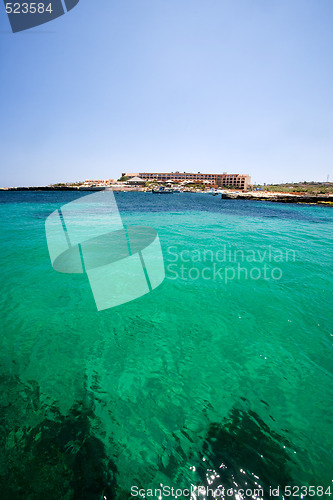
[[318, 199], [280, 197]]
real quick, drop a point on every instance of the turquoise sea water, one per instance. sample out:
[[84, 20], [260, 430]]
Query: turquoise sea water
[[221, 368]]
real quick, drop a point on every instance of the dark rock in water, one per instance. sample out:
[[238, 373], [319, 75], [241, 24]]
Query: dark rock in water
[[244, 451], [57, 459], [46, 455]]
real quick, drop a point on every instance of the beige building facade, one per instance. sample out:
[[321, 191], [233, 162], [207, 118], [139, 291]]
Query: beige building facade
[[238, 181]]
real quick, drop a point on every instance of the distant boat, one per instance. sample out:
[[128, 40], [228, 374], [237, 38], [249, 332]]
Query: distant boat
[[162, 190]]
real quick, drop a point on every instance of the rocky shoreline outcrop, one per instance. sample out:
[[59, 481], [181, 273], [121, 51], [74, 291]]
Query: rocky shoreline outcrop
[[280, 197]]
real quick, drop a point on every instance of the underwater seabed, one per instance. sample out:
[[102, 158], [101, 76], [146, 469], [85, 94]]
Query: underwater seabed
[[45, 454], [91, 412]]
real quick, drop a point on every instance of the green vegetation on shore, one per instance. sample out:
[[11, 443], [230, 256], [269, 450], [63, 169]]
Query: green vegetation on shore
[[66, 184], [299, 187]]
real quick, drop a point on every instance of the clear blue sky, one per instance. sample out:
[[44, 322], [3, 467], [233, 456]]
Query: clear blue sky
[[242, 86]]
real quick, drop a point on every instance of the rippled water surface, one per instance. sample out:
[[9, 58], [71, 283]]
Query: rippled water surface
[[222, 375]]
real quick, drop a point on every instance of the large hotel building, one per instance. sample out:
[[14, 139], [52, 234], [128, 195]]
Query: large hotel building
[[239, 181]]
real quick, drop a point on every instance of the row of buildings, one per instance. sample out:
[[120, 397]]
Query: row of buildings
[[236, 181], [224, 180]]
